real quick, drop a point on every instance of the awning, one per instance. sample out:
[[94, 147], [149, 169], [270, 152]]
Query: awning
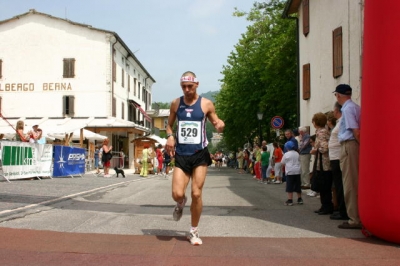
[[49, 125], [137, 106], [86, 134], [62, 126]]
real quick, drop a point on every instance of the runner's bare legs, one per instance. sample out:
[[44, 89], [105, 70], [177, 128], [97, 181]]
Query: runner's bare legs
[[198, 179], [180, 181]]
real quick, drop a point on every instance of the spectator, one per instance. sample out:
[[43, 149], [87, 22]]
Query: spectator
[[145, 161], [21, 136], [322, 162], [166, 162], [289, 135], [349, 137], [96, 159], [257, 164], [121, 158], [278, 154], [305, 157], [159, 159], [106, 157], [292, 168], [40, 138], [334, 156], [240, 158], [264, 164]]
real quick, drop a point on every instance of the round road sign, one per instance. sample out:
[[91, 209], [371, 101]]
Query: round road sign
[[277, 122]]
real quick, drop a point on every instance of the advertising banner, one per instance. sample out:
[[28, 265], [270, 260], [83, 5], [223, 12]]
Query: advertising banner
[[24, 160], [68, 161]]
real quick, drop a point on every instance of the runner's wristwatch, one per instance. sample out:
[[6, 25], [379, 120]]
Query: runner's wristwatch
[[170, 135]]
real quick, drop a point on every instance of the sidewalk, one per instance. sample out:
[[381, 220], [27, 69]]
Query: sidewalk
[[31, 247]]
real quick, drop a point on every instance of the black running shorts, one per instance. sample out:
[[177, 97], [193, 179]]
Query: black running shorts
[[189, 162]]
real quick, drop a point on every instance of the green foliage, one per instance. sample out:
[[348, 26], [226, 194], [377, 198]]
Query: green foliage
[[161, 105], [210, 95], [260, 75]]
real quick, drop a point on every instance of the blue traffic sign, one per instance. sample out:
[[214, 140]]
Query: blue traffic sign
[[277, 122]]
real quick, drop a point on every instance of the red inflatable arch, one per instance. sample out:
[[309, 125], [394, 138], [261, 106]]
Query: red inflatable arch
[[379, 181]]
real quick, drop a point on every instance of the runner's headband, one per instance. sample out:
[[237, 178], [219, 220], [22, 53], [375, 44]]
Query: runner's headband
[[189, 78]]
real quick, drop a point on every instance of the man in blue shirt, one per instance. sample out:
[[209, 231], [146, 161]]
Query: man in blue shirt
[[290, 137], [349, 138]]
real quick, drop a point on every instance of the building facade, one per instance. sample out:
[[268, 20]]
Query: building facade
[[55, 69], [160, 120], [330, 40]]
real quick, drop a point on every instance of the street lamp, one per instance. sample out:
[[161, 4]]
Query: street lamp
[[260, 117]]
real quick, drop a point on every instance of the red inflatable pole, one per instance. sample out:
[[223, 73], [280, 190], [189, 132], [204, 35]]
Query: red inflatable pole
[[379, 180]]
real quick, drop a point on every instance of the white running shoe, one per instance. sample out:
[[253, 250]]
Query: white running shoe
[[194, 238], [177, 214], [312, 193]]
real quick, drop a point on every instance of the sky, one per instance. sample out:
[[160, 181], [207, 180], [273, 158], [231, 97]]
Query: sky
[[168, 37]]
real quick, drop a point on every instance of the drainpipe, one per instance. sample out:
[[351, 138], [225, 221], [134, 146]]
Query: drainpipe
[[112, 68]]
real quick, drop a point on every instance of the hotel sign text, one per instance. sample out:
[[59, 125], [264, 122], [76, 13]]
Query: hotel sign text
[[27, 87]]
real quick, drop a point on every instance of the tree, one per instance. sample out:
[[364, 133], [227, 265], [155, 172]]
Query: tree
[[260, 75], [160, 105]]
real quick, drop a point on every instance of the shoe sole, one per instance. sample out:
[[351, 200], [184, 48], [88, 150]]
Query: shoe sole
[[195, 243]]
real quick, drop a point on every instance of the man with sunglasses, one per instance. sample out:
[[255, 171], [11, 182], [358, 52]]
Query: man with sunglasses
[[189, 146]]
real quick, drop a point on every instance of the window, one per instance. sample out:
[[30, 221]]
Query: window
[[129, 83], [68, 105], [69, 68], [306, 17], [337, 52], [306, 82], [134, 86], [131, 113], [123, 111], [1, 68], [1, 107], [138, 91], [114, 107], [165, 123], [122, 77]]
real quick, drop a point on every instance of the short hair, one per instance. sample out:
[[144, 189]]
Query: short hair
[[303, 129], [264, 148], [331, 118], [190, 73], [319, 119], [275, 144], [337, 106], [106, 141]]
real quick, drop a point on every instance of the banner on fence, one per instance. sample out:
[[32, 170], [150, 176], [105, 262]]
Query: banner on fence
[[68, 161], [23, 160]]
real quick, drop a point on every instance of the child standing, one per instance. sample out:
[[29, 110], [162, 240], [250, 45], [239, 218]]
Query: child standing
[[264, 164], [292, 168]]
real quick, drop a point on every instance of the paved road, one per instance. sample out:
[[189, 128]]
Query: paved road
[[115, 221]]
